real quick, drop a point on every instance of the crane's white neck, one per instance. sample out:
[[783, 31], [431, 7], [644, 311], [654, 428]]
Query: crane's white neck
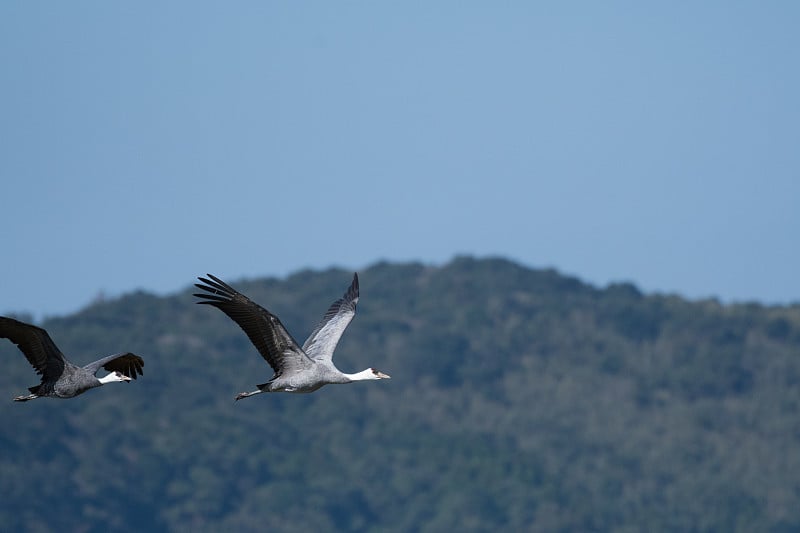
[[113, 377], [369, 373]]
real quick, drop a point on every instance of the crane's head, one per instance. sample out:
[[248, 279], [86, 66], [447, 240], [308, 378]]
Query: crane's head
[[379, 375]]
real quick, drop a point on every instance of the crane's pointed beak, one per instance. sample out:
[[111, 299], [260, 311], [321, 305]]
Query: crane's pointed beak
[[381, 375]]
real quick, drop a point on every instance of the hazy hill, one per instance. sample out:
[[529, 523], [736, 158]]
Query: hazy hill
[[521, 400]]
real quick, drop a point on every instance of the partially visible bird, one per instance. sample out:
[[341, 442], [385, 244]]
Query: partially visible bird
[[60, 378], [296, 369]]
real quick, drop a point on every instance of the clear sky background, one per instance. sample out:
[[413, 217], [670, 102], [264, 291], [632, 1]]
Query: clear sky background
[[145, 143]]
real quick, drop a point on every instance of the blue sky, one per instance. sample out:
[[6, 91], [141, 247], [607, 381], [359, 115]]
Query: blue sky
[[143, 144]]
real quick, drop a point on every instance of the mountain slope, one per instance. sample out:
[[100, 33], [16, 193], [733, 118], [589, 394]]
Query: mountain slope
[[520, 399]]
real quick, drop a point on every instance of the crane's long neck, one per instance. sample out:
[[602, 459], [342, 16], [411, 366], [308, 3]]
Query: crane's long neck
[[361, 376], [113, 377]]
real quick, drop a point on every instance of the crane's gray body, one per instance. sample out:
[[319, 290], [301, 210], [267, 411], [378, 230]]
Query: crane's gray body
[[72, 382]]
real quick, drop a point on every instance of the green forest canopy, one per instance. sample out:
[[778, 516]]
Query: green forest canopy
[[520, 400]]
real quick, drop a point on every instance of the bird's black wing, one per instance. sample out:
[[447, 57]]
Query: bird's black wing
[[40, 350], [323, 340], [264, 329], [127, 363]]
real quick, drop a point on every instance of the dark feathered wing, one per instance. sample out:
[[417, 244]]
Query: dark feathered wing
[[127, 363], [323, 340], [40, 350], [264, 329]]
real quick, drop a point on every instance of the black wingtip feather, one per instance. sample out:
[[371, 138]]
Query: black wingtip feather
[[216, 282], [215, 278], [215, 297], [210, 286]]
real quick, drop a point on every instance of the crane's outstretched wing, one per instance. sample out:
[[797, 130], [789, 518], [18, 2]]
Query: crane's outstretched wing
[[323, 340], [40, 350], [264, 329], [127, 363]]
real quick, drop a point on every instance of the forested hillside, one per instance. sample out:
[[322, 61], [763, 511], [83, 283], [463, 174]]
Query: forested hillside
[[520, 400]]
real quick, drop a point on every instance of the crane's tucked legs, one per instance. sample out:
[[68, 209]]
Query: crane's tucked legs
[[25, 398], [247, 394]]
